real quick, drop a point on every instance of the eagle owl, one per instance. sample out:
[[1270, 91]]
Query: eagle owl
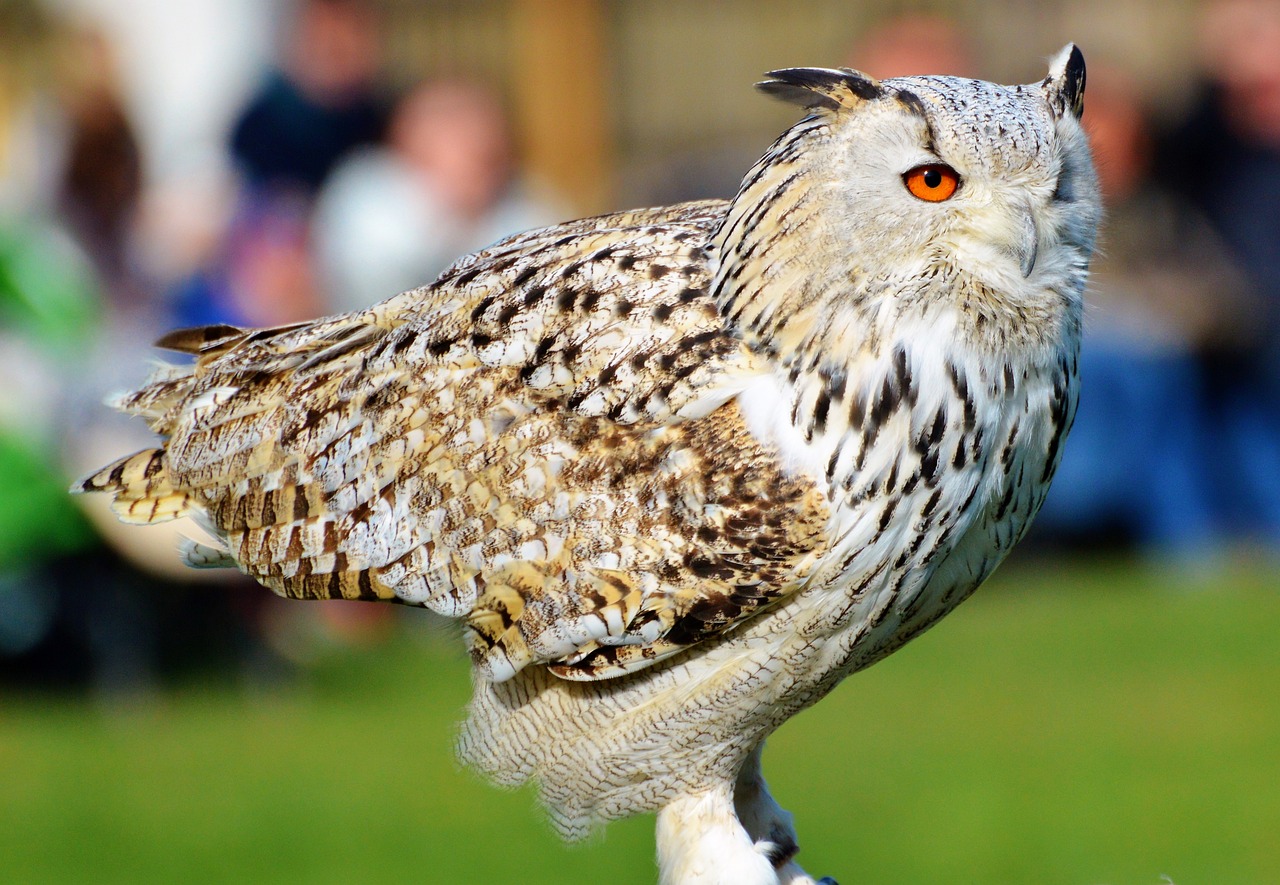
[[680, 470]]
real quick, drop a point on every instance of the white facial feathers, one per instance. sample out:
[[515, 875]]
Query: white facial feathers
[[1018, 226]]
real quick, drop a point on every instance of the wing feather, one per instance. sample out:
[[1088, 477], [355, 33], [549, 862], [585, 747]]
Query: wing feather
[[543, 442]]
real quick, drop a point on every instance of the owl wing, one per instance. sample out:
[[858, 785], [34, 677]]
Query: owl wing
[[544, 443]]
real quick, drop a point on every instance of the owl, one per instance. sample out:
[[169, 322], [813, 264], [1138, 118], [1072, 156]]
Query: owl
[[679, 470]]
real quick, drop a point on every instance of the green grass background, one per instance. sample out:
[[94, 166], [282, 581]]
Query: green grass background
[[1081, 724]]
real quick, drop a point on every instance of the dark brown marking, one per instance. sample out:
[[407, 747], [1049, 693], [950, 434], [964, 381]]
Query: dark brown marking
[[268, 515], [886, 403], [468, 275], [892, 479], [820, 409], [507, 314], [300, 508], [406, 338], [857, 411], [484, 304], [931, 504], [886, 515], [544, 347], [565, 300], [929, 466]]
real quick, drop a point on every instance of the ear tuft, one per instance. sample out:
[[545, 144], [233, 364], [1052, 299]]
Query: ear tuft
[[1064, 87], [826, 88]]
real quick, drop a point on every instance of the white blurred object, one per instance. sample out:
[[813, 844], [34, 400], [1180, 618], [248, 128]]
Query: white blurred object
[[447, 183], [32, 154], [186, 69], [380, 230]]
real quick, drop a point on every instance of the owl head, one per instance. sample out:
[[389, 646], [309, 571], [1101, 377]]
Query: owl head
[[917, 192]]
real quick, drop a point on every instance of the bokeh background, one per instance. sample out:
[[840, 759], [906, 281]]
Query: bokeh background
[[1107, 710]]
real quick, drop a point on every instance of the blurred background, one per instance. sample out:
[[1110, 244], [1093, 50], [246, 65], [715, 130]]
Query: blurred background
[[1108, 710]]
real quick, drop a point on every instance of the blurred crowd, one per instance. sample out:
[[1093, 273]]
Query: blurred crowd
[[339, 191], [1177, 442]]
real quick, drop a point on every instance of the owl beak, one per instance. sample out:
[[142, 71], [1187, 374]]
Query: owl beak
[[1026, 243]]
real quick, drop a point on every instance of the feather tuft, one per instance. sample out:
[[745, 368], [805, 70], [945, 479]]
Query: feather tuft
[[826, 88]]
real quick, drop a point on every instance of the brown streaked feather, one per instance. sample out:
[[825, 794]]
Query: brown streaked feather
[[141, 491], [199, 339], [825, 88], [541, 442]]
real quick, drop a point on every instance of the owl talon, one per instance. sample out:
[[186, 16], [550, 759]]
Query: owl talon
[[793, 875], [779, 848]]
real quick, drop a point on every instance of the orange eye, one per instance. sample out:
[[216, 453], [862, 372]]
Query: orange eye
[[933, 182]]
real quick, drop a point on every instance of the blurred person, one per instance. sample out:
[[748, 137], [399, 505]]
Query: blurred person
[[1225, 158], [95, 195], [914, 43], [319, 104], [47, 310], [101, 178], [261, 272], [445, 184], [79, 606], [64, 266], [898, 45], [1163, 291]]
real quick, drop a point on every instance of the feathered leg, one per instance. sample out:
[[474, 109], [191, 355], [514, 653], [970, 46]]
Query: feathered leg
[[701, 842], [768, 824]]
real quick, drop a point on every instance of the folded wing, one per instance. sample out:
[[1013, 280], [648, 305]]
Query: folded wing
[[544, 442]]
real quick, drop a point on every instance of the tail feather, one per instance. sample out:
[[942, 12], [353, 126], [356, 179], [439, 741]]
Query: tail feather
[[167, 386], [202, 339], [198, 555], [140, 489]]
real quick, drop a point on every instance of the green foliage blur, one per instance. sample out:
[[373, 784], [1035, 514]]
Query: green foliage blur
[[48, 304], [1116, 726]]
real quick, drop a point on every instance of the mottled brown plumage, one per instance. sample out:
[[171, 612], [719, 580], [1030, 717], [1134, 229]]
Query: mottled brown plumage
[[506, 445], [678, 470]]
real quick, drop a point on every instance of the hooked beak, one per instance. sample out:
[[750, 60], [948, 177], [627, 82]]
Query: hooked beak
[[1026, 241]]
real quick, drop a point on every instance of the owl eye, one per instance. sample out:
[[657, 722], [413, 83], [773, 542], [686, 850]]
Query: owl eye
[[933, 182]]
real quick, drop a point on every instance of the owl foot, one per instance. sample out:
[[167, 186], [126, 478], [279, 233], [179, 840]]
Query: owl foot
[[769, 824], [791, 874], [779, 847]]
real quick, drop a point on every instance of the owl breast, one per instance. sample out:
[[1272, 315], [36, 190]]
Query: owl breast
[[934, 457]]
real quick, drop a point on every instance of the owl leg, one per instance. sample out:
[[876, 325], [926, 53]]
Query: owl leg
[[769, 824], [701, 842]]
